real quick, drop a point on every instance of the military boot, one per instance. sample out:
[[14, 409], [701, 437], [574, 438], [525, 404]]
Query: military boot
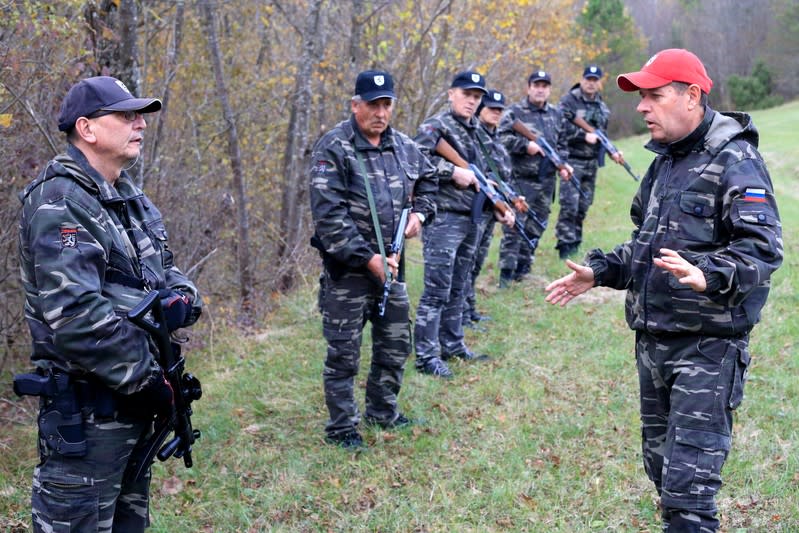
[[505, 278]]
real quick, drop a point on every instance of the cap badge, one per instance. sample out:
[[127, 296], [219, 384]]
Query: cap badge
[[593, 69], [122, 86], [497, 97], [651, 60], [476, 78], [379, 80], [541, 73]]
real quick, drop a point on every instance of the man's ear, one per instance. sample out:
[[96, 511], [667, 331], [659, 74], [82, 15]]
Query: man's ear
[[694, 96], [85, 130]]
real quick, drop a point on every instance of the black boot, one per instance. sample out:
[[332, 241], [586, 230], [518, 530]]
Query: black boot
[[505, 278]]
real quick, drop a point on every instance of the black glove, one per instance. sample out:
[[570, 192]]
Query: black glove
[[176, 306], [157, 397]]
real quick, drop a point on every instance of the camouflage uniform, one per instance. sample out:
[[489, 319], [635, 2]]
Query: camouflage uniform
[[583, 158], [501, 161], [534, 177], [90, 251], [450, 242], [699, 197], [348, 294]]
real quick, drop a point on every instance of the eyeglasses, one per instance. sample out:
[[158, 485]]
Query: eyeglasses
[[129, 116]]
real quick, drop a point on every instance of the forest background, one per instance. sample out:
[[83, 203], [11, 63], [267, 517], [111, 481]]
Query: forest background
[[248, 86]]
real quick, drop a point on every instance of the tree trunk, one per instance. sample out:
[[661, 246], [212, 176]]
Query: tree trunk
[[294, 158], [171, 69], [243, 244]]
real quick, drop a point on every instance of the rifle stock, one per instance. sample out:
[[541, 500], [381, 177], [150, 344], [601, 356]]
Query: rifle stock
[[448, 152], [186, 388], [549, 152], [606, 143]]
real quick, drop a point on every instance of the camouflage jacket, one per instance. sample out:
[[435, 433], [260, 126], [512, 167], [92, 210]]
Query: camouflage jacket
[[401, 176], [546, 121], [81, 273], [595, 112], [497, 155], [462, 135], [709, 197]]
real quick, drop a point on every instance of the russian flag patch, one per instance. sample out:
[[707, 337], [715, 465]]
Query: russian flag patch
[[755, 195]]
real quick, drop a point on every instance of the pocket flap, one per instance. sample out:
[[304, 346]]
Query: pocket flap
[[704, 440], [696, 204]]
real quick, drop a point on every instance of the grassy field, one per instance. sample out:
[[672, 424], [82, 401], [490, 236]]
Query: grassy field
[[542, 438]]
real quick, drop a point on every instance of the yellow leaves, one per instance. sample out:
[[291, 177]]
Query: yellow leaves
[[5, 120], [109, 34]]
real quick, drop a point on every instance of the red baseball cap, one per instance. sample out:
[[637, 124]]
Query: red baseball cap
[[673, 64]]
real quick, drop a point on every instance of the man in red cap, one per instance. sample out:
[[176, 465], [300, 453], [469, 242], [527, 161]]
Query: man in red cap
[[707, 239]]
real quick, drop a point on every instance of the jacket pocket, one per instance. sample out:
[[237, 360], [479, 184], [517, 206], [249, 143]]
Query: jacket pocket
[[696, 217]]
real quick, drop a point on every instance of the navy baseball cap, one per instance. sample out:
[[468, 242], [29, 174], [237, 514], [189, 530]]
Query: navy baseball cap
[[373, 84], [539, 75], [101, 93], [592, 71], [469, 79], [493, 99]]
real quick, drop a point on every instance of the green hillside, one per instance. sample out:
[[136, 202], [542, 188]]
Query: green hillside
[[544, 437]]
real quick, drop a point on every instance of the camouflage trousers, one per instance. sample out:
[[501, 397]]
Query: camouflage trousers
[[88, 493], [690, 386], [485, 232], [346, 304], [515, 253], [450, 244], [574, 204]]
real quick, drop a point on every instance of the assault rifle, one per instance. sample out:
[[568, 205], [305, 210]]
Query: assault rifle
[[549, 152], [606, 144], [186, 389], [395, 248], [446, 150]]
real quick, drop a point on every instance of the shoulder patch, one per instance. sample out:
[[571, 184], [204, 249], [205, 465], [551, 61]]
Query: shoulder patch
[[755, 195], [69, 237], [321, 166]]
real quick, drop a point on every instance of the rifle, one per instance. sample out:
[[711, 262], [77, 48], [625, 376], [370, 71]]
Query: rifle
[[549, 152], [395, 248], [606, 144], [446, 150], [185, 387]]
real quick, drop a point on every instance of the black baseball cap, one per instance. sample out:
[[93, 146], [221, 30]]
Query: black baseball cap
[[592, 71], [469, 79], [101, 93], [539, 75], [493, 99], [373, 84]]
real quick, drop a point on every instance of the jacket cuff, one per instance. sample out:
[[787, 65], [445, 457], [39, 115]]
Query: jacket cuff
[[713, 279], [597, 263]]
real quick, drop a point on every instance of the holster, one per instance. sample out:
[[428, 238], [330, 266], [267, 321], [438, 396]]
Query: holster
[[60, 420]]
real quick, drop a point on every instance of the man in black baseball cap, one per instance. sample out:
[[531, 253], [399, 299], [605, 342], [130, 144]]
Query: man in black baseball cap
[[364, 174], [93, 96], [95, 245]]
